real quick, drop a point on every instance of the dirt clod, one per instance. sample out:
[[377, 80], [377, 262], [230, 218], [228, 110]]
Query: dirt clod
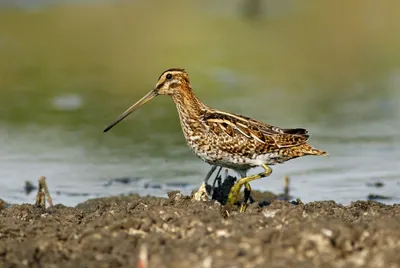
[[177, 232]]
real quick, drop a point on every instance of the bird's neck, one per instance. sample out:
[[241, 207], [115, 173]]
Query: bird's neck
[[188, 105]]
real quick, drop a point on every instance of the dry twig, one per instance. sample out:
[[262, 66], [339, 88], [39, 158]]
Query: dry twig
[[42, 193]]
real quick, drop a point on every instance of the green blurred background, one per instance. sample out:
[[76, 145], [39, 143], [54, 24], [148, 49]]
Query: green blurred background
[[67, 69]]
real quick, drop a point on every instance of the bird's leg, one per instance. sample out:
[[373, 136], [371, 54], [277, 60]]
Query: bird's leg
[[235, 190], [202, 193], [247, 191], [217, 179], [213, 168]]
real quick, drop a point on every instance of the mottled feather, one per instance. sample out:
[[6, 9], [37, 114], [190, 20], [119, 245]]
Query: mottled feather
[[235, 125]]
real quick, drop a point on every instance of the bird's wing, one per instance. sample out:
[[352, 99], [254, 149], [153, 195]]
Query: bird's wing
[[235, 125]]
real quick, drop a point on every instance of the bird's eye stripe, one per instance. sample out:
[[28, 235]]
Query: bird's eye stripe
[[160, 85]]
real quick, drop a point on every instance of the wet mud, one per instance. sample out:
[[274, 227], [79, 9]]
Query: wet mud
[[134, 231]]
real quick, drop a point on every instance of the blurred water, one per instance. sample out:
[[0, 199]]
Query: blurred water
[[52, 114]]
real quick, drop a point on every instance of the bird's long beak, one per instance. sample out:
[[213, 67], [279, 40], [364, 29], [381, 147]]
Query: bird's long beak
[[142, 101]]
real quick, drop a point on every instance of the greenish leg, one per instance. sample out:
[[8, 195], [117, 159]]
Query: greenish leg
[[247, 192], [235, 190]]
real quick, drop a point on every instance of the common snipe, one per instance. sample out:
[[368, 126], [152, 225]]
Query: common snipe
[[225, 139]]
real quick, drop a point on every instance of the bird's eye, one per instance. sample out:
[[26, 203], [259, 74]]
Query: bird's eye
[[169, 76]]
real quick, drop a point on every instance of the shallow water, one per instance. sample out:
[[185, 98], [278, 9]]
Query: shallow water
[[52, 117], [80, 162]]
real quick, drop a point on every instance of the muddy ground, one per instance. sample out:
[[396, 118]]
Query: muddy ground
[[178, 232]]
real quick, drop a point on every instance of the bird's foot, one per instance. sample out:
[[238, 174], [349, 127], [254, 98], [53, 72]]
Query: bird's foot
[[235, 190], [234, 193]]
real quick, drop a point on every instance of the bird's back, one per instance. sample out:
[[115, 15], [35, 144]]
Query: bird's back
[[233, 140]]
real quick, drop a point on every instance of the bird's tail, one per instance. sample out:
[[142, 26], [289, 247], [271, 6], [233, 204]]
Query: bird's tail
[[314, 151]]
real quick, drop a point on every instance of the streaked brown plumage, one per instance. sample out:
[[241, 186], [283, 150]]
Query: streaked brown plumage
[[226, 139]]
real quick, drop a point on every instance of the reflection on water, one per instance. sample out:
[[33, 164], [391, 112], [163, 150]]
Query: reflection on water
[[54, 106]]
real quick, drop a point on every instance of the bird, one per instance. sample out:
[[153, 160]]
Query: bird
[[224, 139]]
